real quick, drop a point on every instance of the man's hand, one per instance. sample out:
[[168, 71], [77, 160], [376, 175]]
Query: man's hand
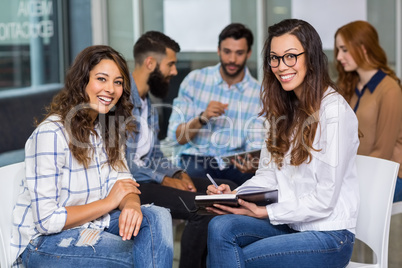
[[214, 109], [246, 165], [185, 132], [186, 179], [178, 184]]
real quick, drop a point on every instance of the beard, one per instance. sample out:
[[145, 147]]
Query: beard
[[239, 66], [158, 84]]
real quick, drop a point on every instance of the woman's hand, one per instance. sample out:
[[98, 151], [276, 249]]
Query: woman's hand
[[130, 217], [246, 208], [120, 189], [78, 215], [222, 189]]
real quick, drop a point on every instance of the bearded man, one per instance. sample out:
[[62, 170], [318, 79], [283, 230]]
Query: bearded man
[[216, 112], [161, 182]]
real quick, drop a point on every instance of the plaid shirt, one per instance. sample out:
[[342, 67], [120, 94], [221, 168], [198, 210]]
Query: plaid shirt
[[55, 180], [239, 129]]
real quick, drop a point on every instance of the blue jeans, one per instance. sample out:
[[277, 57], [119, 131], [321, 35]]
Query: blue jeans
[[242, 241], [198, 166], [398, 190], [81, 247]]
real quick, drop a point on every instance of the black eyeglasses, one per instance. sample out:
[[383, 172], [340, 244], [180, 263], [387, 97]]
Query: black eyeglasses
[[289, 59]]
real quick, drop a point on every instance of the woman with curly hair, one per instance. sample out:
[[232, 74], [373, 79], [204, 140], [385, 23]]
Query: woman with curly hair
[[306, 157], [79, 204], [374, 92]]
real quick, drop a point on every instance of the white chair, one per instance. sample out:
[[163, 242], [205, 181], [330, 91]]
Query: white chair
[[10, 179], [397, 208], [377, 178]]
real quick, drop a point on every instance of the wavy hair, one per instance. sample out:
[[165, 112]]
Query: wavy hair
[[293, 121], [72, 105], [358, 35]]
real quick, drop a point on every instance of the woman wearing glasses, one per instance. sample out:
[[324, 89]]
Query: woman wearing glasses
[[373, 91], [305, 157]]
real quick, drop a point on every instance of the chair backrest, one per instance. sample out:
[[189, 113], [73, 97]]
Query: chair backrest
[[10, 179], [377, 178]]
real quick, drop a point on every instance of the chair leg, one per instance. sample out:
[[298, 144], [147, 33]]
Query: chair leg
[[361, 253]]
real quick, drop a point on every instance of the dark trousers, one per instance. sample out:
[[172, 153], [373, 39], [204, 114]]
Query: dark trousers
[[193, 248], [198, 166]]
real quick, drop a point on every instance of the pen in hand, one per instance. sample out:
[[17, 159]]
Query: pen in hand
[[213, 182]]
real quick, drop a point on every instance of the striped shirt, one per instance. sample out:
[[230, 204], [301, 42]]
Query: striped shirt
[[238, 129], [55, 180]]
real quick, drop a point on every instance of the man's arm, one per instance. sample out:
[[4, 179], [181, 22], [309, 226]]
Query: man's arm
[[148, 175], [185, 132], [157, 168]]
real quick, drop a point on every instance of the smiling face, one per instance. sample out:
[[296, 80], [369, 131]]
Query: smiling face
[[105, 87], [344, 56], [291, 78]]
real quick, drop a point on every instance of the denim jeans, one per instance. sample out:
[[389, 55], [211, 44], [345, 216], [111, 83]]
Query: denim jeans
[[198, 166], [398, 190], [242, 241], [81, 247]]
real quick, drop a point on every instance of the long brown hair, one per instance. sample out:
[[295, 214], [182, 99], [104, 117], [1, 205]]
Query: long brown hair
[[356, 35], [294, 121], [72, 105]]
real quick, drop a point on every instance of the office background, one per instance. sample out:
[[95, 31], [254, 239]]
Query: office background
[[40, 38]]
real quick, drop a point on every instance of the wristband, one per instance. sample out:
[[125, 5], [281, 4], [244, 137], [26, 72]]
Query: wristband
[[202, 122]]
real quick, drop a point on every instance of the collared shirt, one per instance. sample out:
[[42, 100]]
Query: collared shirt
[[145, 137], [55, 180], [155, 166], [371, 85], [238, 129], [379, 113], [323, 194]]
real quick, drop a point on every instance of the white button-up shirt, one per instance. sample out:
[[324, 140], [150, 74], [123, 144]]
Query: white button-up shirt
[[321, 195]]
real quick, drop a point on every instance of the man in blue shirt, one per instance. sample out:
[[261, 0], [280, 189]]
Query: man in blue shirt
[[161, 182], [216, 111]]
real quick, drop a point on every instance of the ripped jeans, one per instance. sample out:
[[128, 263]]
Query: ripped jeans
[[79, 247]]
